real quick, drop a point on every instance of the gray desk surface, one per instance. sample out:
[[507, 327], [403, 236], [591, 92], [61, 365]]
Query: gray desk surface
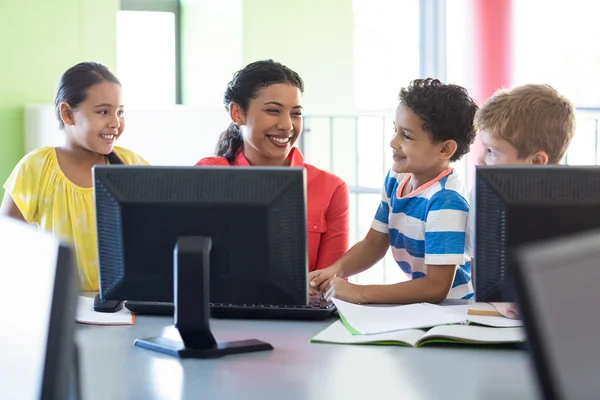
[[112, 368]]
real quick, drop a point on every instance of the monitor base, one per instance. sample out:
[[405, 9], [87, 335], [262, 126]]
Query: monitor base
[[176, 348]]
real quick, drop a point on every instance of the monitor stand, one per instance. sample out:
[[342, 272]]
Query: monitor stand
[[107, 306], [190, 288]]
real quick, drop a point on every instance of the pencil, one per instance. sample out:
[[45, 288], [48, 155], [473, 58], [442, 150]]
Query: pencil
[[491, 313]]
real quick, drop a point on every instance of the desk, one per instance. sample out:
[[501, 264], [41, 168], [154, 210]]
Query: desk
[[112, 368]]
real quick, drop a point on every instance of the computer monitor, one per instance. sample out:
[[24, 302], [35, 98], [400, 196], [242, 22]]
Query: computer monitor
[[39, 294], [255, 218], [515, 205], [558, 287]]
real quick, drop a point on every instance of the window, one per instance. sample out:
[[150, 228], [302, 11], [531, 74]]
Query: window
[[386, 58], [386, 51], [458, 35], [148, 51], [541, 53], [563, 59]]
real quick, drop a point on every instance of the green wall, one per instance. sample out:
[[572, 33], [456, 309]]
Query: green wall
[[39, 40], [313, 37]]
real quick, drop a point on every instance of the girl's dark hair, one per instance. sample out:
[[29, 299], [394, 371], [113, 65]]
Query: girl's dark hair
[[242, 89], [73, 86], [447, 112]]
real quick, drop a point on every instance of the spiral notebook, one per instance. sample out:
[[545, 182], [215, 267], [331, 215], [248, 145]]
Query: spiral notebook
[[371, 319]]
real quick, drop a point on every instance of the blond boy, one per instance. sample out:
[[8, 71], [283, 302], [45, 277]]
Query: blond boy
[[524, 125]]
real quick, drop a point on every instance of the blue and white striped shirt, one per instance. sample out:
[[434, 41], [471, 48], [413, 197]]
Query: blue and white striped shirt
[[427, 227]]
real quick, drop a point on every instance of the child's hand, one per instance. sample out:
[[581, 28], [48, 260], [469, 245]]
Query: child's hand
[[318, 280], [312, 291], [344, 290], [509, 310]]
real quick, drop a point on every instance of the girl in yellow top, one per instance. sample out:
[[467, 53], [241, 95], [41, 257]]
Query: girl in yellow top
[[52, 187]]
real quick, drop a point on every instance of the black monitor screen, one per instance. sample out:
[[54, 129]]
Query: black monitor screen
[[515, 205], [255, 217]]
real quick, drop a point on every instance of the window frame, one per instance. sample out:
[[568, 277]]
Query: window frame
[[173, 6]]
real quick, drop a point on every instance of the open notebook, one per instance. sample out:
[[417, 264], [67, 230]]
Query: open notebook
[[467, 334], [369, 320]]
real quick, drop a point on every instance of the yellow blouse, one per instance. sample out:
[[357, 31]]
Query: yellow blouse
[[48, 199]]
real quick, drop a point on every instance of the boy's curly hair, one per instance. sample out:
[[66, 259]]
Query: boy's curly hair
[[447, 111]]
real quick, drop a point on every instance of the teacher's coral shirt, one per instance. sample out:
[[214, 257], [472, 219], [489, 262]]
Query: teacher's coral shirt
[[327, 208]]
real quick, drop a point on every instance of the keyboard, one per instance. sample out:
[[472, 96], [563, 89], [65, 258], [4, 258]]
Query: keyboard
[[317, 309]]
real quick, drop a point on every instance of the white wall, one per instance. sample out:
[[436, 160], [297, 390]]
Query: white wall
[[178, 135]]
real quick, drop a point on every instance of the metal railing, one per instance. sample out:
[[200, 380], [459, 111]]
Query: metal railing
[[590, 139]]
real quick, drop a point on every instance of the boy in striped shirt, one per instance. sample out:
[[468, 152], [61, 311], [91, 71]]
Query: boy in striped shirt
[[423, 212]]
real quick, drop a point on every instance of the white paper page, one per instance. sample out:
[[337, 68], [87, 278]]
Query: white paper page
[[464, 309], [498, 322], [87, 315], [476, 334], [337, 333], [380, 319]]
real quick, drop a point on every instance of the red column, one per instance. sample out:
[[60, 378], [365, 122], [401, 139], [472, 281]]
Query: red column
[[492, 54]]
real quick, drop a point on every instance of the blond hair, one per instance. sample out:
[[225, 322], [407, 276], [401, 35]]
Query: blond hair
[[530, 117]]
